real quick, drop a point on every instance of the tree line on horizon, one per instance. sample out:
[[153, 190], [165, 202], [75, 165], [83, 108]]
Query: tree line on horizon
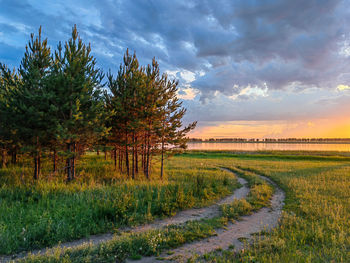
[[60, 102], [337, 140]]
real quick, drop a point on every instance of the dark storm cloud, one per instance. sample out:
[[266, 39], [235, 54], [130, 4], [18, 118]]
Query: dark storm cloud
[[233, 44], [280, 44]]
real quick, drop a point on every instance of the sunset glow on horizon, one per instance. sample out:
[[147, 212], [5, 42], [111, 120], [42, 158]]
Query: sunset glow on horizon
[[321, 128]]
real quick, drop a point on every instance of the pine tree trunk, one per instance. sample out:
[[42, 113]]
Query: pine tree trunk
[[143, 161], [14, 156], [115, 157], [105, 151], [127, 156], [3, 158], [147, 156], [136, 160], [120, 160], [39, 164], [73, 162], [133, 156], [162, 160], [54, 159], [68, 163], [98, 151], [36, 167]]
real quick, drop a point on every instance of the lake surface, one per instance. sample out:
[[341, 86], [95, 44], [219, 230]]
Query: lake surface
[[343, 147]]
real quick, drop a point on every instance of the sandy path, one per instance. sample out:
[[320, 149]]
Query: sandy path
[[265, 219], [179, 218]]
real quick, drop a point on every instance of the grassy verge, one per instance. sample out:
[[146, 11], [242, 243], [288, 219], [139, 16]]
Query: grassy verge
[[154, 242], [100, 200], [134, 246], [315, 225]]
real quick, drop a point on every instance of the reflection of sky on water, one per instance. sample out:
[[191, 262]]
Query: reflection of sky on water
[[270, 146]]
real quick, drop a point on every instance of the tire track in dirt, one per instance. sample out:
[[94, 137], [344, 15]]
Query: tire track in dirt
[[264, 219], [180, 218]]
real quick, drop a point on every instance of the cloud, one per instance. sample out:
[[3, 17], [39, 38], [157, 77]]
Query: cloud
[[278, 43], [251, 93], [187, 93], [246, 59], [343, 87]]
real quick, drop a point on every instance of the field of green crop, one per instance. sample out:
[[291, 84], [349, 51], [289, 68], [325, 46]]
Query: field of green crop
[[314, 227]]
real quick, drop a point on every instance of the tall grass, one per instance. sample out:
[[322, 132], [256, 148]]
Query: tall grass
[[315, 225], [153, 242], [35, 215]]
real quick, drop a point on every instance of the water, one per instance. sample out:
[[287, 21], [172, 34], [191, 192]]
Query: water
[[343, 147]]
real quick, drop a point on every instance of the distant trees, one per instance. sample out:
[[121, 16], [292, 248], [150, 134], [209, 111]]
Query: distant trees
[[54, 103]]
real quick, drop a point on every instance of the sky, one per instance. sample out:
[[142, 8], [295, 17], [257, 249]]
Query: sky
[[247, 69]]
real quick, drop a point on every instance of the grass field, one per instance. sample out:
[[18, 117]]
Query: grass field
[[35, 215], [315, 225]]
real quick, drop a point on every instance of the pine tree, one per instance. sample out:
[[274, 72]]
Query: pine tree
[[54, 103], [80, 111], [123, 100], [147, 114], [153, 99], [169, 125], [9, 81], [28, 102]]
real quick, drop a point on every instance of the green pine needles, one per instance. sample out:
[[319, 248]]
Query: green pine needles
[[56, 104]]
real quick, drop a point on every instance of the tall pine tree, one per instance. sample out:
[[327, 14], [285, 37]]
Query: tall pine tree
[[29, 102], [171, 134], [77, 87]]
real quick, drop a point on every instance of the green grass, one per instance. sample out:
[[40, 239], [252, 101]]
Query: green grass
[[35, 215], [153, 242], [315, 225], [134, 246], [259, 196]]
